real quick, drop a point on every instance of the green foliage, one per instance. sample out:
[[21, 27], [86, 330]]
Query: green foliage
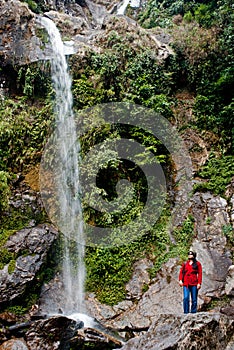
[[218, 172], [34, 79], [4, 190], [188, 17], [32, 5], [229, 233], [184, 237], [204, 16], [11, 266], [87, 93], [203, 63], [109, 269], [18, 310], [204, 53], [5, 257], [23, 131], [159, 13], [217, 303], [133, 193], [122, 75]]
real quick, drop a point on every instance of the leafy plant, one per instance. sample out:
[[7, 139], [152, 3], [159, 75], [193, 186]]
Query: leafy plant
[[11, 266], [4, 190], [218, 172], [5, 257], [229, 233], [18, 310], [23, 131]]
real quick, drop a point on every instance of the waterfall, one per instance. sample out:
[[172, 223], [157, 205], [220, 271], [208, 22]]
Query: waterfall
[[68, 186], [122, 9], [133, 3]]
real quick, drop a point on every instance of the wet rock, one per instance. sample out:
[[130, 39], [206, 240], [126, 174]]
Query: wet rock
[[232, 209], [50, 334], [4, 334], [14, 344], [186, 332], [62, 5], [97, 338], [19, 329], [35, 240], [34, 243], [97, 310], [69, 25]]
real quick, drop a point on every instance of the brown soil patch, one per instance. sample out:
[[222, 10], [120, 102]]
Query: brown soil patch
[[32, 178]]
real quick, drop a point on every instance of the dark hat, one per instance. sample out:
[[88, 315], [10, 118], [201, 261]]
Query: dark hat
[[192, 253]]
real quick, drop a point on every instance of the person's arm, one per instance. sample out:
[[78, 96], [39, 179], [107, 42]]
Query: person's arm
[[181, 276], [199, 275]]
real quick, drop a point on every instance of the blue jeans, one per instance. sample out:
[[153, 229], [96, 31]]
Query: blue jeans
[[187, 291]]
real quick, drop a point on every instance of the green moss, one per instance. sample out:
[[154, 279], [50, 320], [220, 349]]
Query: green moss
[[217, 303], [11, 266], [5, 256]]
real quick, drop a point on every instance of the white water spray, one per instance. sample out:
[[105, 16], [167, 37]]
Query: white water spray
[[68, 184], [133, 3], [122, 9]]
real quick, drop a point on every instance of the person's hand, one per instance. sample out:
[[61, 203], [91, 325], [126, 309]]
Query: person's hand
[[181, 283], [198, 286]]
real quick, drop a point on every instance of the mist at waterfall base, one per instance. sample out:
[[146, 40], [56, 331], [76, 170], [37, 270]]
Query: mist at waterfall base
[[68, 186]]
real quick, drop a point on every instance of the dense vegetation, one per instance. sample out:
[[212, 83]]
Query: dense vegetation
[[202, 35]]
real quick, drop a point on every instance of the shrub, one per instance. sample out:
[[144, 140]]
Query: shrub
[[4, 190], [23, 131], [218, 172]]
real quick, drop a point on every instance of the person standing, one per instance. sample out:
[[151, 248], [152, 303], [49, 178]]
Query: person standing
[[190, 278]]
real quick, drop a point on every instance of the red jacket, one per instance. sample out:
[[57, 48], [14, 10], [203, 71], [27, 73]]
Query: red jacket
[[189, 275]]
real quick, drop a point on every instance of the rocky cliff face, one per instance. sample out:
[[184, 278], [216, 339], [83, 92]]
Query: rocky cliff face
[[87, 27], [153, 319]]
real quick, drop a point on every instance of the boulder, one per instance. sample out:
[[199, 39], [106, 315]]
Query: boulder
[[16, 32], [61, 332], [14, 344], [50, 334], [163, 296], [95, 338], [34, 244], [186, 332]]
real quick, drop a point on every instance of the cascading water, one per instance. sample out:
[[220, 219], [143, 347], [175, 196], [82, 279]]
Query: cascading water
[[133, 3], [68, 187], [122, 9]]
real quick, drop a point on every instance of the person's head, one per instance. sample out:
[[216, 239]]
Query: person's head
[[191, 255]]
